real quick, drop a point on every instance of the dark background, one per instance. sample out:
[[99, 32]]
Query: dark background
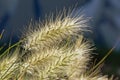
[[105, 23]]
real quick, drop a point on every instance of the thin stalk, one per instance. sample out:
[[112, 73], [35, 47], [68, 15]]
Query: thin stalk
[[102, 60]]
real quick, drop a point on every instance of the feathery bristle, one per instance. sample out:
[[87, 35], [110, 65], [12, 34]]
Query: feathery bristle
[[56, 50], [8, 66], [54, 62], [54, 31]]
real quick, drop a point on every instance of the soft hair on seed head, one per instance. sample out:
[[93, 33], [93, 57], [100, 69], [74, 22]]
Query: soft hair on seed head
[[53, 31], [55, 50]]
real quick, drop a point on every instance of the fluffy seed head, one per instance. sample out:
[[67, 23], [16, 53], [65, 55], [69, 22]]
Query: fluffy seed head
[[56, 50], [54, 31], [8, 66], [57, 63]]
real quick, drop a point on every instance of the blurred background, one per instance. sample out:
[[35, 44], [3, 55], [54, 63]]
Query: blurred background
[[104, 19]]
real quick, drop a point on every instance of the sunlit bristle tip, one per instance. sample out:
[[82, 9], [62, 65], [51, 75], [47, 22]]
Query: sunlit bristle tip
[[54, 31], [54, 50]]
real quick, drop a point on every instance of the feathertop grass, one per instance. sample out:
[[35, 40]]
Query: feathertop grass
[[55, 50], [54, 31]]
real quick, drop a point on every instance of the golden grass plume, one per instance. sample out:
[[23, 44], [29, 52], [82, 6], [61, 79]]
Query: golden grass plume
[[56, 50]]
